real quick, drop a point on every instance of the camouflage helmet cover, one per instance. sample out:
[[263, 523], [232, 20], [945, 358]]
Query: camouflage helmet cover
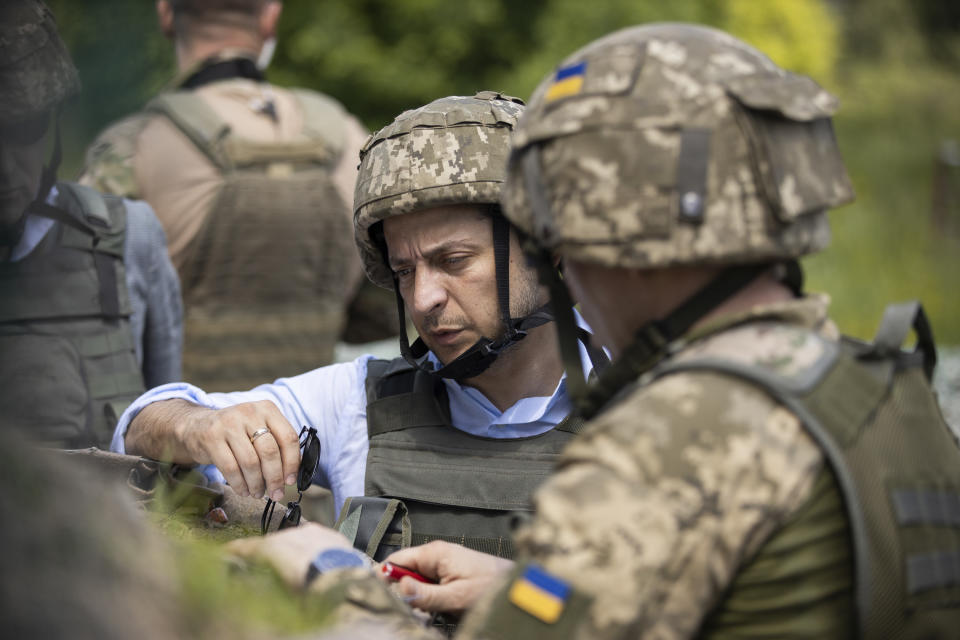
[[673, 144], [36, 73], [451, 151]]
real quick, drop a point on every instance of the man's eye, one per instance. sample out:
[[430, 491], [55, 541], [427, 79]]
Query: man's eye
[[402, 273]]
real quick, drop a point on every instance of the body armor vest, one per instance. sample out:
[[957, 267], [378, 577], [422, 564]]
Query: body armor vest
[[453, 486], [885, 511], [262, 282], [69, 367]]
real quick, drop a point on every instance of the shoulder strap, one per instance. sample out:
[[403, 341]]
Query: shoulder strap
[[573, 423], [194, 117], [378, 374], [323, 118], [898, 320], [85, 199]]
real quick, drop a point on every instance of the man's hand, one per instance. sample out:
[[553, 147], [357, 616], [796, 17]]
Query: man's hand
[[289, 551], [186, 433], [464, 575]]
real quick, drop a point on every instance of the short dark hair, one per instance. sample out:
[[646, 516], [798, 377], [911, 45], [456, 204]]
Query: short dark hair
[[236, 13]]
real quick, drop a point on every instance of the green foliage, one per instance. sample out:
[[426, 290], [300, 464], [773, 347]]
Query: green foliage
[[885, 248], [381, 57], [800, 36], [220, 597]]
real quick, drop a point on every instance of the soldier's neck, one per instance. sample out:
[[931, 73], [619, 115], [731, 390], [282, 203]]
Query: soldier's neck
[[193, 52], [531, 368]]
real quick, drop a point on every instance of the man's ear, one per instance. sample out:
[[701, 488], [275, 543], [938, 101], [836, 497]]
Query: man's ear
[[165, 18], [269, 18]]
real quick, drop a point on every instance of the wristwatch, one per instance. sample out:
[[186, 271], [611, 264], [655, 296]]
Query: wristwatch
[[330, 559]]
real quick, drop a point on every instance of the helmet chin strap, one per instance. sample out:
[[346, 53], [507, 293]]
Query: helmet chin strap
[[485, 351]]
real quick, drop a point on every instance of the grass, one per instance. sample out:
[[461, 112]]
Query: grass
[[220, 595]]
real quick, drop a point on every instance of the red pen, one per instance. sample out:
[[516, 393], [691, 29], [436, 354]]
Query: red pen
[[395, 572]]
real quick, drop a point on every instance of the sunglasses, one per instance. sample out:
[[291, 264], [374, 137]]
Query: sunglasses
[[309, 461]]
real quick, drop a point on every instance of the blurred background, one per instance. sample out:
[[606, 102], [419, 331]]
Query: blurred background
[[895, 64]]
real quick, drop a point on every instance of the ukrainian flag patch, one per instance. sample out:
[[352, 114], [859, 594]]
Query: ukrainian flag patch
[[540, 594], [568, 81]]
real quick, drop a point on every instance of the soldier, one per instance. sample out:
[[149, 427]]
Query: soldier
[[89, 302], [448, 441], [745, 472], [253, 184]]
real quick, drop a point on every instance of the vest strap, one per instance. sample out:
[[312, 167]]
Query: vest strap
[[196, 120], [502, 547], [933, 570], [405, 411], [571, 424], [377, 526], [897, 321]]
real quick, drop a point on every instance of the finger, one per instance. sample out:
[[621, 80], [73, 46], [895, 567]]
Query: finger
[[430, 597], [244, 547], [285, 437], [270, 466], [423, 559], [249, 461], [223, 458]]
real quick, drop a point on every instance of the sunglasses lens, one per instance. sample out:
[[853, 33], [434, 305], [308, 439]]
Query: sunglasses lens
[[292, 517], [309, 461]]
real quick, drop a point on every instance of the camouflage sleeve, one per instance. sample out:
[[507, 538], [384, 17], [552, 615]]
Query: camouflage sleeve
[[361, 606], [109, 161], [651, 512]]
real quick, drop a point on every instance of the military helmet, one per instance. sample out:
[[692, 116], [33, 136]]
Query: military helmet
[[36, 73], [673, 144], [451, 151]]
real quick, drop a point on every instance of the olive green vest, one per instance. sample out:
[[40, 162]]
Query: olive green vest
[[69, 367], [263, 288], [455, 486], [876, 549]]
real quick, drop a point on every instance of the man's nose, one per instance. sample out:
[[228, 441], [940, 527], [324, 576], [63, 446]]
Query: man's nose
[[429, 291]]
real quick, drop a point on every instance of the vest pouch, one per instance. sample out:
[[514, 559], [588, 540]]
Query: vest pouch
[[45, 374], [376, 526], [787, 123]]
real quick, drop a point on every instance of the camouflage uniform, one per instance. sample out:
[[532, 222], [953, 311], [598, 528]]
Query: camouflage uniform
[[669, 494]]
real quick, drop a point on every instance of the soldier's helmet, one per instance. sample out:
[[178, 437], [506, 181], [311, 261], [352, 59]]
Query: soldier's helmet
[[451, 151], [36, 73], [672, 144]]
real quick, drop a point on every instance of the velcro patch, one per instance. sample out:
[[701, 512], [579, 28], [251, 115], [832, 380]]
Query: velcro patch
[[540, 594]]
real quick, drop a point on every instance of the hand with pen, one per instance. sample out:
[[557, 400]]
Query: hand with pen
[[455, 576], [458, 575]]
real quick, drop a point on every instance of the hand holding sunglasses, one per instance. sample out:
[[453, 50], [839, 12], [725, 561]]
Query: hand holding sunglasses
[[309, 461]]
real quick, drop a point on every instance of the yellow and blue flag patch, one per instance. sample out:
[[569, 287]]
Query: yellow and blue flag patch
[[540, 594], [568, 81]]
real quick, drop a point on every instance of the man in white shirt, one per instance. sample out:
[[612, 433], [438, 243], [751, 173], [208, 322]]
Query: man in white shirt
[[470, 421]]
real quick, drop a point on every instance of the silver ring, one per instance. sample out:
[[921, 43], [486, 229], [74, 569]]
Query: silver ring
[[259, 432]]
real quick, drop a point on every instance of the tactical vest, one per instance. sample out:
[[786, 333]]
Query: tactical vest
[[69, 367], [450, 485], [263, 288], [892, 482]]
